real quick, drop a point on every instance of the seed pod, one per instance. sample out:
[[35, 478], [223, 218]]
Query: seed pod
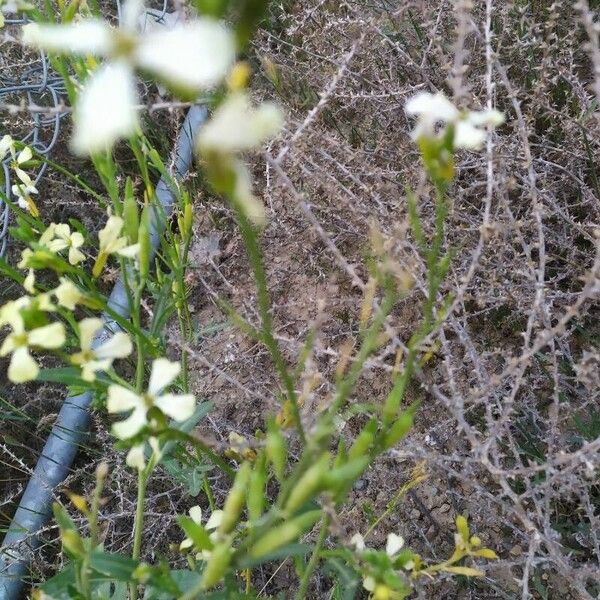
[[364, 440], [217, 565], [72, 542], [235, 500], [145, 243], [308, 485], [344, 476], [400, 428], [283, 534], [276, 450], [130, 213], [256, 488]]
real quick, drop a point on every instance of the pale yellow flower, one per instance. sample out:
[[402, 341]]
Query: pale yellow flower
[[23, 194], [65, 239], [112, 242], [68, 294], [177, 406], [23, 366], [212, 524], [100, 358]]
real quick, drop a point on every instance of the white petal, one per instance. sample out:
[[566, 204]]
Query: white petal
[[185, 544], [67, 294], [91, 36], [49, 336], [75, 256], [121, 399], [434, 106], [163, 374], [215, 520], [468, 137], [196, 514], [195, 55], [358, 541], [106, 109], [90, 368], [130, 426], [7, 144], [135, 457], [130, 14], [129, 251], [76, 239], [394, 544], [29, 282], [87, 332], [369, 583], [177, 406], [486, 117], [118, 346], [237, 126], [25, 155], [22, 366]]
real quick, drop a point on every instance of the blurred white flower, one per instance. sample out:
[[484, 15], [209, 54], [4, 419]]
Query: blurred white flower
[[101, 358], [190, 56], [68, 294], [24, 156], [358, 542], [177, 406], [136, 456], [213, 523], [394, 544], [431, 109], [237, 126], [112, 242]]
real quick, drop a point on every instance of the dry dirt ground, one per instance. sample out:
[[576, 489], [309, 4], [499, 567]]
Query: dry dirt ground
[[509, 425]]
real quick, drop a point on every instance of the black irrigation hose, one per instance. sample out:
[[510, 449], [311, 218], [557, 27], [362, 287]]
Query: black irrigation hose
[[73, 420]]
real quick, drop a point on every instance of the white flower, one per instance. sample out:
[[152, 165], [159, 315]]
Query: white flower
[[7, 144], [29, 282], [136, 456], [369, 583], [24, 156], [177, 406], [213, 523], [68, 294], [23, 194], [100, 358], [358, 542], [394, 544], [190, 56], [23, 366], [66, 239], [236, 126], [111, 242], [431, 109]]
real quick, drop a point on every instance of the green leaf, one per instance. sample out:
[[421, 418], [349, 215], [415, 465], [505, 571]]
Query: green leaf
[[283, 552], [183, 580], [196, 532], [347, 579], [59, 586], [467, 571]]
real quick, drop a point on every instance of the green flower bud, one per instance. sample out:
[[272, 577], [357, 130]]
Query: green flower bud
[[364, 440], [256, 488], [130, 213], [145, 243]]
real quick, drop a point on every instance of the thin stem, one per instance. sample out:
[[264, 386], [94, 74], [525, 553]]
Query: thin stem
[[138, 526], [314, 560]]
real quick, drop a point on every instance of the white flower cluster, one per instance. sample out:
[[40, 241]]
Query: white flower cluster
[[469, 126]]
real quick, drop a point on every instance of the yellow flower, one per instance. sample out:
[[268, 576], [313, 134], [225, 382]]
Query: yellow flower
[[92, 359], [111, 242], [23, 366], [68, 294], [177, 406]]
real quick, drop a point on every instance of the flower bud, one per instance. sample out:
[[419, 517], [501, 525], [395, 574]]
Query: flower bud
[[256, 488], [130, 213], [276, 450], [145, 243]]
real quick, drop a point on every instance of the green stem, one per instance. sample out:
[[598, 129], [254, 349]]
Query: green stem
[[138, 526], [314, 560]]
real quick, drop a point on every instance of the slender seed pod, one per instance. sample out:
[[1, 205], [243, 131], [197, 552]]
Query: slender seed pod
[[308, 485], [345, 475], [364, 440], [283, 534], [145, 243], [217, 565], [401, 427], [276, 450], [130, 213], [256, 488], [235, 500]]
